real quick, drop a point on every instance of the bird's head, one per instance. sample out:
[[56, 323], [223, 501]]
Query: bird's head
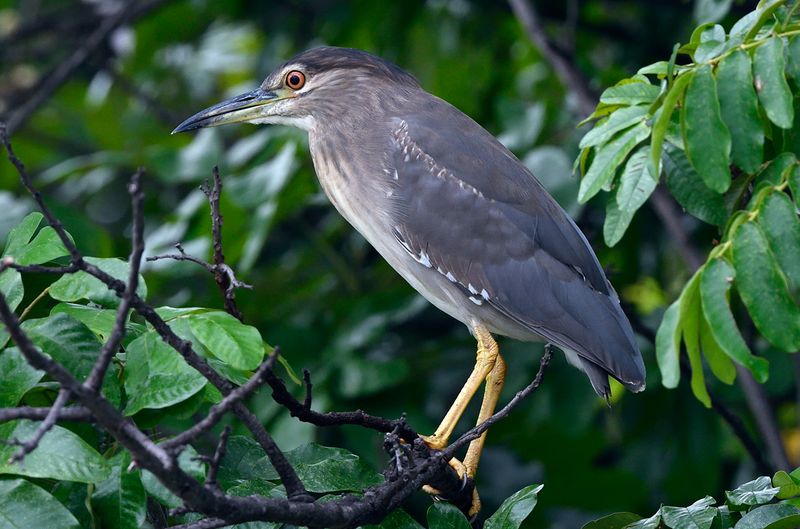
[[323, 83]]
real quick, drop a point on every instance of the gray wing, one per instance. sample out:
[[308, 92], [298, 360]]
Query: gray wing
[[480, 215]]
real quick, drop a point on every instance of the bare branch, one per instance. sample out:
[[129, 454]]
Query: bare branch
[[77, 413], [26, 447], [216, 412], [216, 459], [95, 378]]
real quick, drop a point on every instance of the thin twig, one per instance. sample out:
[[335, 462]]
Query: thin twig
[[95, 379], [207, 523], [65, 68], [222, 407], [26, 447], [77, 413], [476, 432], [216, 459]]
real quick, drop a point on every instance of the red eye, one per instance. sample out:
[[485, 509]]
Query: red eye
[[295, 80]]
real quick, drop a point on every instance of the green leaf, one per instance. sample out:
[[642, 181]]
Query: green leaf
[[45, 247], [16, 377], [321, 469], [793, 56], [636, 182], [707, 139], [715, 285], [100, 321], [617, 121], [689, 190], [721, 365], [618, 520], [71, 343], [772, 173], [775, 516], [81, 285], [794, 184], [739, 109], [630, 92], [157, 376], [24, 505], [789, 486], [608, 158], [60, 455], [778, 218], [691, 314], [668, 346], [228, 339], [22, 233], [121, 501], [617, 221], [662, 121], [763, 288], [397, 519], [654, 522], [515, 509], [699, 515], [443, 515], [189, 462], [770, 81], [712, 43], [756, 492], [11, 288]]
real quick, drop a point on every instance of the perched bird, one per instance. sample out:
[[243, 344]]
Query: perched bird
[[453, 211]]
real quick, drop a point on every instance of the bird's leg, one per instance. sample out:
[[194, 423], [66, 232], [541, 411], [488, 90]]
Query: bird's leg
[[486, 358], [494, 385]]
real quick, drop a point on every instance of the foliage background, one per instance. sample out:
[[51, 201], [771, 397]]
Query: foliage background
[[320, 292]]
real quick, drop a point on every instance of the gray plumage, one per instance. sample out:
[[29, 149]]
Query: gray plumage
[[453, 210]]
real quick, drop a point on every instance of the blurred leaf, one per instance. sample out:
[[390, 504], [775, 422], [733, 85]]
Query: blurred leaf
[[668, 346], [711, 10], [763, 288], [228, 339], [60, 455], [778, 218], [794, 185], [789, 487], [770, 81], [793, 58], [80, 285], [443, 515], [617, 121], [157, 376], [707, 139], [715, 284], [691, 314], [514, 509], [608, 158], [16, 377], [397, 519], [617, 219], [120, 501], [756, 492], [689, 190], [699, 515], [24, 505], [618, 520], [776, 516], [739, 109], [71, 343]]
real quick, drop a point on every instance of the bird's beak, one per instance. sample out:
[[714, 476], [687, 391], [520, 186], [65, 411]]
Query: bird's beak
[[244, 107]]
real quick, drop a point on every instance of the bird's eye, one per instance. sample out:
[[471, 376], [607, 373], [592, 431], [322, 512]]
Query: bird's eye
[[295, 80]]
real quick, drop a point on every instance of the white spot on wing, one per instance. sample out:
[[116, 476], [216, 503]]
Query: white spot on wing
[[477, 301], [451, 277]]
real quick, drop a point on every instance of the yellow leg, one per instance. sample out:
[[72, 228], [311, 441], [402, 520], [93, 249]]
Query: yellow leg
[[487, 355], [494, 385]]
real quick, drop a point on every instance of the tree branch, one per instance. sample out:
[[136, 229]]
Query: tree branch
[[26, 447]]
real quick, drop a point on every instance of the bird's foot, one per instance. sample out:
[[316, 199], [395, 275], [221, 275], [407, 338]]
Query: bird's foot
[[461, 470]]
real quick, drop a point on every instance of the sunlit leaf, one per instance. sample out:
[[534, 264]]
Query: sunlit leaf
[[756, 492], [515, 509], [617, 121], [617, 221], [699, 515], [668, 346], [608, 159], [228, 339], [630, 92], [80, 285], [775, 516], [636, 183]]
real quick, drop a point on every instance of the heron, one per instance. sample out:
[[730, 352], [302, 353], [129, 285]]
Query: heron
[[454, 212]]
